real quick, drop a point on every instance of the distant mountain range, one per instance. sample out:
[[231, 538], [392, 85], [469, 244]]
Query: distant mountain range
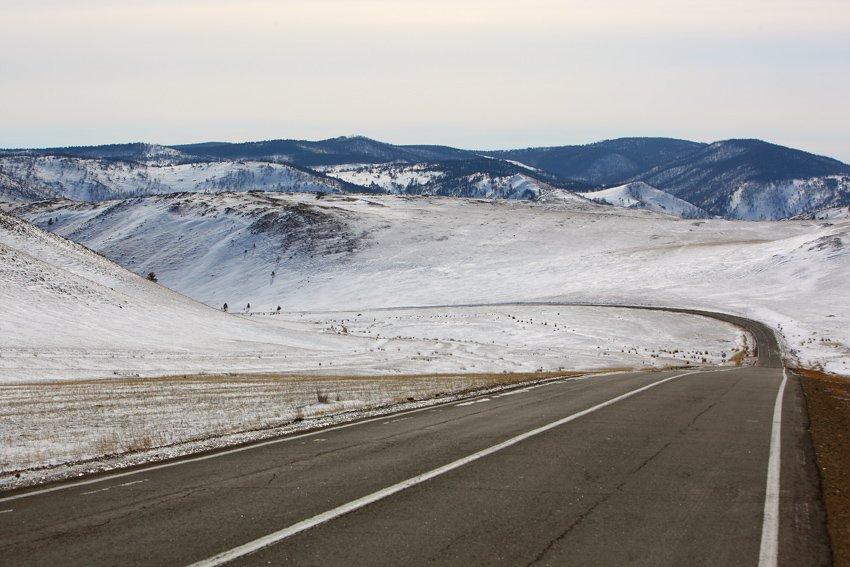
[[736, 179], [752, 179]]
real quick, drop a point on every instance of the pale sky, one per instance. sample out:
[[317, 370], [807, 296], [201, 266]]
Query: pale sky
[[469, 73]]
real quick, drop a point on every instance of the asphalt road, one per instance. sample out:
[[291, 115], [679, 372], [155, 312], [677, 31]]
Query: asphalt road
[[664, 468]]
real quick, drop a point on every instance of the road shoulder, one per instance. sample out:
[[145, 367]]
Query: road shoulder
[[828, 402]]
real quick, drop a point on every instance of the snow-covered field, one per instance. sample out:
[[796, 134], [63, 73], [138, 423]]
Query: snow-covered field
[[82, 340], [85, 346], [72, 314], [384, 251]]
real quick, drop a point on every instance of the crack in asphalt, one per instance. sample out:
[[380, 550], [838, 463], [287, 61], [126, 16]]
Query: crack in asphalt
[[618, 489], [82, 530]]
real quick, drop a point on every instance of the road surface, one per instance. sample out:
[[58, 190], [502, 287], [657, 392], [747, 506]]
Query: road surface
[[654, 468]]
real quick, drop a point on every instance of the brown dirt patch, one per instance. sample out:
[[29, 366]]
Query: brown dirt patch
[[489, 379], [828, 403]]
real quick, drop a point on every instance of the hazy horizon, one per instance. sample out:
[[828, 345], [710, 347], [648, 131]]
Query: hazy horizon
[[469, 74]]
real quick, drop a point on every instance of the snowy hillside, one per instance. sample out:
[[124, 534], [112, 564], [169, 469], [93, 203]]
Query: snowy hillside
[[70, 313], [835, 213], [735, 179], [791, 198], [68, 310], [397, 178], [149, 154], [485, 186], [379, 251], [333, 151], [603, 163], [98, 180], [754, 180], [478, 179], [639, 195]]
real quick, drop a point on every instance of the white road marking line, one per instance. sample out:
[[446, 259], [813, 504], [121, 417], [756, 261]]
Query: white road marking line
[[7, 511], [512, 392], [250, 447], [275, 537], [473, 402], [769, 552], [399, 419], [133, 482], [96, 491]]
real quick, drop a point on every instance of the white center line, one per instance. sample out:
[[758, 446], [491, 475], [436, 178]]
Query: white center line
[[512, 392], [397, 420], [769, 552], [7, 511], [96, 491], [304, 525], [473, 402]]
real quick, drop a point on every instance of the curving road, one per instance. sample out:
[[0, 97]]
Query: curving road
[[688, 467]]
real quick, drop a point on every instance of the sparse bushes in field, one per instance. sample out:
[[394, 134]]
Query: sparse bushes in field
[[322, 397], [152, 277]]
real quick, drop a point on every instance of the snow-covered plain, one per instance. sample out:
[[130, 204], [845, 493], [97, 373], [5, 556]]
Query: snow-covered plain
[[72, 314], [391, 251], [96, 361]]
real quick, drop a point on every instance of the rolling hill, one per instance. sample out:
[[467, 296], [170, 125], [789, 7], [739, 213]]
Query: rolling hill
[[639, 195], [356, 251], [603, 163], [735, 179], [752, 179]]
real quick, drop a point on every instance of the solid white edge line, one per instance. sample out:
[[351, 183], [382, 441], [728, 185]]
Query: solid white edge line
[[189, 459], [769, 551], [303, 525]]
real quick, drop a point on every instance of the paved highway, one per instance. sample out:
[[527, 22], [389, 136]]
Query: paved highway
[[702, 466]]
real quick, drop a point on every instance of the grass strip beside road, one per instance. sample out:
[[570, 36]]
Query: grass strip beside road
[[828, 404]]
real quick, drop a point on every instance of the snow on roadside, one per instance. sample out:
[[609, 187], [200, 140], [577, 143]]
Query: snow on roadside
[[93, 445]]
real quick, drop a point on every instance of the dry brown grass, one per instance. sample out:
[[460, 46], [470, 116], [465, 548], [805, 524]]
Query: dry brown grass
[[84, 420], [740, 355], [255, 378], [828, 404], [738, 358]]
